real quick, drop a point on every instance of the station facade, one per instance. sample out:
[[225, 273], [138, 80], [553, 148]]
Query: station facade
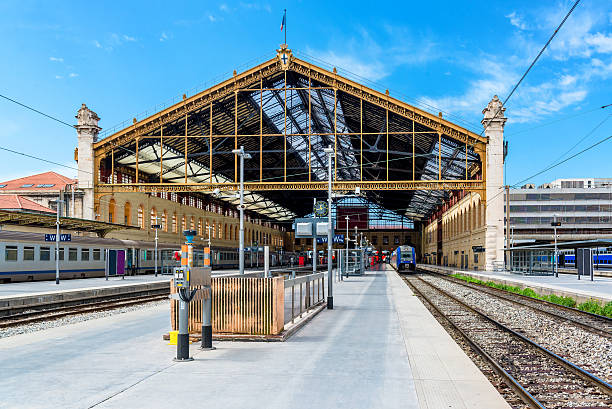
[[165, 169]]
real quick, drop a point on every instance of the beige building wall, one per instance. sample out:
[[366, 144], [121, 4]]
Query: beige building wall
[[463, 227], [140, 209]]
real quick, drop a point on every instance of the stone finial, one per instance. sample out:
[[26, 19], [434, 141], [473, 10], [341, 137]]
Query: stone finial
[[86, 117], [494, 112]]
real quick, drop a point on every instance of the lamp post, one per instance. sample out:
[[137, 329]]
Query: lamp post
[[347, 245], [243, 155], [556, 224], [156, 226], [330, 297], [57, 238]]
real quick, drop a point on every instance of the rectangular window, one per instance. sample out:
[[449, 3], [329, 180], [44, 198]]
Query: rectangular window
[[476, 258], [385, 240], [28, 254], [96, 254], [72, 254], [10, 253], [45, 254], [61, 254], [84, 254]]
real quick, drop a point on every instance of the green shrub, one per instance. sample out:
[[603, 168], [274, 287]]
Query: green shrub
[[607, 309], [529, 293], [591, 306]]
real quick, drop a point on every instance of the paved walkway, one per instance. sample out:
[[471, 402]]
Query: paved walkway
[[600, 287], [379, 348]]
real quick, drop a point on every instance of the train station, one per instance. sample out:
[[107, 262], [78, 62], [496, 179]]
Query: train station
[[294, 235]]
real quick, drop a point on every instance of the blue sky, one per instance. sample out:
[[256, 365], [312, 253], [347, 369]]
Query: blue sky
[[122, 58]]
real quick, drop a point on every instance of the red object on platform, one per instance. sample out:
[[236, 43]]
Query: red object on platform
[[177, 255], [301, 260]]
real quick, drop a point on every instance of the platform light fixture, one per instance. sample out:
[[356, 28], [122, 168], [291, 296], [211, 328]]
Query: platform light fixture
[[243, 155]]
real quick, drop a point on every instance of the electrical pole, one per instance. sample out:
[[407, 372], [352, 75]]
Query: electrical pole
[[57, 240], [240, 152], [330, 297], [347, 245], [314, 245]]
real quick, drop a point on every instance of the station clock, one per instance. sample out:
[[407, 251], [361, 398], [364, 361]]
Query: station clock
[[321, 208]]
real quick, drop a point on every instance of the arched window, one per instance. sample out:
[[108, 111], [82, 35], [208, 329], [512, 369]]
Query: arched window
[[111, 211], [192, 224], [183, 223], [214, 230], [164, 221], [220, 230], [174, 227], [207, 228], [236, 232], [140, 217], [127, 214], [225, 233], [153, 216], [200, 228]]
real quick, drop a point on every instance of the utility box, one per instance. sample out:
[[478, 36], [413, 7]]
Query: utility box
[[201, 276], [584, 262]]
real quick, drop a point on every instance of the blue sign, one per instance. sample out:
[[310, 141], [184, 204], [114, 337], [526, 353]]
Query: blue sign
[[338, 239], [63, 237]]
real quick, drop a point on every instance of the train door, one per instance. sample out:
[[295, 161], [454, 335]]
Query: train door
[[129, 259]]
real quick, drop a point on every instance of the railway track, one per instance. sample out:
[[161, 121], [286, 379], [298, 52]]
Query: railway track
[[56, 310], [541, 378], [592, 322]]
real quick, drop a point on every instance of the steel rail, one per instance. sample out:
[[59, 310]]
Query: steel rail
[[508, 296], [587, 376], [38, 315]]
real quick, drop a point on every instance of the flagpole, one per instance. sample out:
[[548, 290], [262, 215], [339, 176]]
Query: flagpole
[[285, 26]]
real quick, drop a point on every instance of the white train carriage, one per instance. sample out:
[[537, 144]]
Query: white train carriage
[[27, 256]]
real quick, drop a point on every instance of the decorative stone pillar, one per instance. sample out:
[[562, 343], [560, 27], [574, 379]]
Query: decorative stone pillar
[[493, 123], [87, 133]]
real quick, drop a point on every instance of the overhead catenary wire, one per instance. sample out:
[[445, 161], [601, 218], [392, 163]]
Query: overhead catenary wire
[[36, 110]]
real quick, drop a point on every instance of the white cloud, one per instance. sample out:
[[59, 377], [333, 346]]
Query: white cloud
[[517, 21], [224, 7], [601, 43], [370, 69], [212, 18], [97, 44], [163, 36], [58, 77], [73, 75], [128, 38], [56, 59], [368, 58]]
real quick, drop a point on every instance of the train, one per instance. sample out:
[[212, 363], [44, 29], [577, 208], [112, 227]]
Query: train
[[404, 258], [26, 256], [602, 259]]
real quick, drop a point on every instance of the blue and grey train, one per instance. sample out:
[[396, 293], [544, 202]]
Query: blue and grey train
[[601, 259], [404, 258]]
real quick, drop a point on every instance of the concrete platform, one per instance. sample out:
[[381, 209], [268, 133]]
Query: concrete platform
[[379, 348], [565, 285]]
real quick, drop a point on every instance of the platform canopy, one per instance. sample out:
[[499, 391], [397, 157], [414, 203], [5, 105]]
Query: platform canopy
[[284, 112]]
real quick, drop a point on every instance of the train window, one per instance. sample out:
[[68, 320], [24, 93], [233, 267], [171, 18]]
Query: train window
[[45, 254], [84, 254], [28, 253], [96, 254], [61, 253], [72, 254], [10, 253]]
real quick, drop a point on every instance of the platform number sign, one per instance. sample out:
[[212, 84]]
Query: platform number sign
[[63, 237]]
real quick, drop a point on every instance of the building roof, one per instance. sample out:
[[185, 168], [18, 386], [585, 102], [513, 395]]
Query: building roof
[[47, 181], [22, 218], [285, 112], [16, 202]]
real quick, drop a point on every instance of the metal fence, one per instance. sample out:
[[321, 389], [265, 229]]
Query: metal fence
[[302, 294]]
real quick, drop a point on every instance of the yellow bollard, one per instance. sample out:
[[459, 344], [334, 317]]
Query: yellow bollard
[[173, 337]]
